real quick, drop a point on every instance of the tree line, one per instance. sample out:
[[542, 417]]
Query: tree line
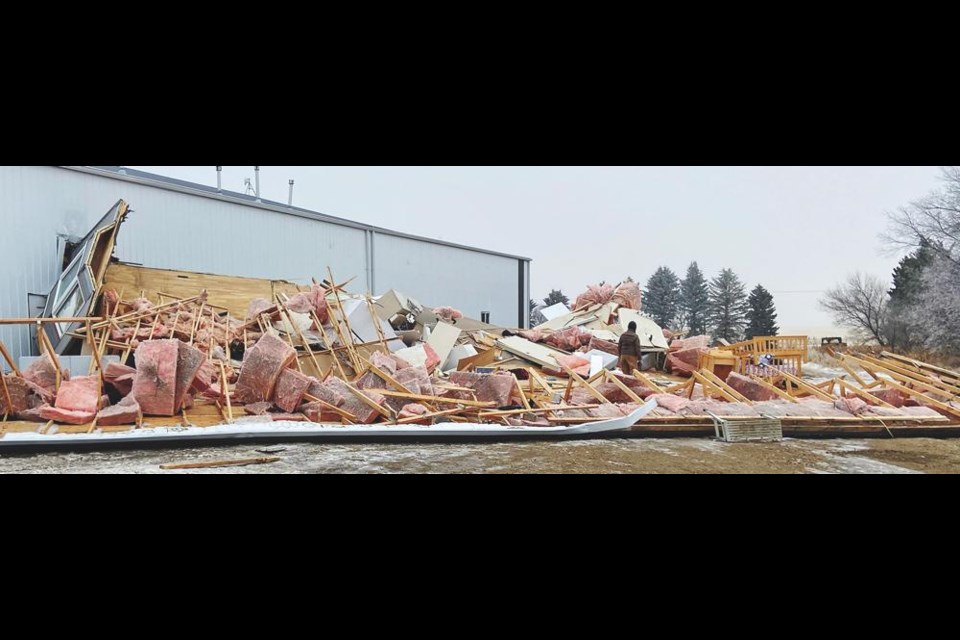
[[696, 306], [921, 310]]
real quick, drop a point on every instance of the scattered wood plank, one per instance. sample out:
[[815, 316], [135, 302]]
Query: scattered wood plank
[[769, 387], [870, 399], [624, 388], [9, 360], [720, 384], [583, 383], [875, 369], [326, 405], [220, 463], [416, 396], [711, 388], [808, 388]]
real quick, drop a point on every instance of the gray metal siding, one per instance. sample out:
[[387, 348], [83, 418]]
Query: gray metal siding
[[174, 230], [438, 275]]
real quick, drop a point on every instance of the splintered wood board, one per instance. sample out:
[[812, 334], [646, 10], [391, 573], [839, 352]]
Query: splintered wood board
[[229, 292]]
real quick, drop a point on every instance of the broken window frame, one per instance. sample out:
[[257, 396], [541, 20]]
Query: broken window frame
[[84, 279]]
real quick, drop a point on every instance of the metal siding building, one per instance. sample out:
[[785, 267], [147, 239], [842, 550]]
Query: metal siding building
[[191, 227]]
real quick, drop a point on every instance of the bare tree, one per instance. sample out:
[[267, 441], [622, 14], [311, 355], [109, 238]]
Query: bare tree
[[934, 219], [861, 304]]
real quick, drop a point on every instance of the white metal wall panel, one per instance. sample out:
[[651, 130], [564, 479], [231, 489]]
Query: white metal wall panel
[[174, 230], [166, 230], [438, 275]]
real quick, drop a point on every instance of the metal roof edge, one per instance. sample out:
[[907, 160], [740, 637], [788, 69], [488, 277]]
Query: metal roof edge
[[160, 182]]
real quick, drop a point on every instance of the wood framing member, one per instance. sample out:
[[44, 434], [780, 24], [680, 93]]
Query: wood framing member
[[853, 374], [863, 394], [913, 375], [431, 416], [9, 359], [225, 389], [720, 384], [367, 400], [416, 396], [769, 387], [583, 383], [6, 397], [683, 386], [624, 388], [923, 398], [710, 387], [940, 371], [337, 410], [808, 388], [873, 369], [647, 382]]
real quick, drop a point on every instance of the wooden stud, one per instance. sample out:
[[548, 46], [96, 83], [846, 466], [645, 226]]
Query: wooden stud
[[383, 411], [430, 416], [922, 365], [800, 384], [219, 463], [303, 339], [9, 359], [683, 386], [326, 405], [51, 354], [647, 382], [523, 396], [913, 375], [853, 374], [866, 396], [769, 387], [923, 398], [376, 320], [95, 359], [14, 321], [416, 396], [226, 391], [724, 387], [583, 383], [514, 412], [347, 343], [872, 369], [326, 343], [6, 396], [624, 388]]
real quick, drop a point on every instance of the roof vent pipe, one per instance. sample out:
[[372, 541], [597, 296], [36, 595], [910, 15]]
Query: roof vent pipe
[[290, 201], [256, 171], [219, 179]]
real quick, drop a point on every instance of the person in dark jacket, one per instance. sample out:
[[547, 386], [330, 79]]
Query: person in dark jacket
[[629, 349]]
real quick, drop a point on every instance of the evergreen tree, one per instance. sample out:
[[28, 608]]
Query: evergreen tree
[[694, 301], [903, 328], [907, 280], [728, 306], [556, 297], [662, 296], [763, 315]]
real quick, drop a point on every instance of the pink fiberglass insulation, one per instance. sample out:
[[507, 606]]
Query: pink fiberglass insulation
[[155, 386], [291, 385], [261, 369]]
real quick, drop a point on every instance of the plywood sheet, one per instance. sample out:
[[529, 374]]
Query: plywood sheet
[[229, 292]]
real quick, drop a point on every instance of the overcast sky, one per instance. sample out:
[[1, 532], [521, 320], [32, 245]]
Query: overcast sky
[[795, 230]]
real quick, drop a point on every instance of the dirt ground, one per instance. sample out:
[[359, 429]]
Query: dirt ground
[[915, 455]]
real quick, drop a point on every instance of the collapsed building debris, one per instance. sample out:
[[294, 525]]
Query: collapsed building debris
[[201, 349]]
